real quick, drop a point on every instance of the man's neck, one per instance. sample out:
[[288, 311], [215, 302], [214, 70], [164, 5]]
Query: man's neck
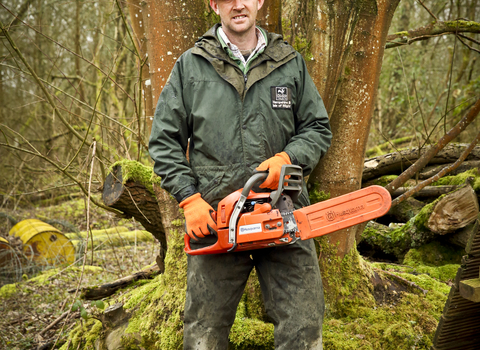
[[247, 41]]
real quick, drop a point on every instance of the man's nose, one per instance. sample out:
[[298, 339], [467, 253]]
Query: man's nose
[[238, 4]]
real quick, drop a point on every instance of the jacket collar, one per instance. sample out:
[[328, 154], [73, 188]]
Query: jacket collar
[[276, 49]]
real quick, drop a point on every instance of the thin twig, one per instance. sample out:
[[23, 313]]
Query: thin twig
[[39, 82], [94, 201], [449, 84], [428, 10], [464, 43], [94, 145], [51, 325], [74, 98], [69, 50], [468, 38]]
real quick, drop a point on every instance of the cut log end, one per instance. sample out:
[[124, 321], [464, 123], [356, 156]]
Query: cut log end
[[454, 211], [470, 289], [113, 186]]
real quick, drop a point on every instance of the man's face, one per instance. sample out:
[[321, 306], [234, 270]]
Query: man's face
[[238, 16]]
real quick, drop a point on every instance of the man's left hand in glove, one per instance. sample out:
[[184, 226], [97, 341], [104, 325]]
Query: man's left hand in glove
[[274, 166]]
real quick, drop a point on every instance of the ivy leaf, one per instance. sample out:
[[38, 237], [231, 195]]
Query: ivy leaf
[[100, 304], [83, 313]]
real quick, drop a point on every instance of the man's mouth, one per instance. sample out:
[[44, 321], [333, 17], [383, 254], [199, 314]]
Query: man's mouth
[[239, 17]]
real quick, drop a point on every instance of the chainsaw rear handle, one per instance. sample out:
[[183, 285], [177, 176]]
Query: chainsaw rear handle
[[221, 246]]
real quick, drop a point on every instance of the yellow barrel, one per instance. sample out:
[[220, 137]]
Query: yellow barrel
[[43, 243]]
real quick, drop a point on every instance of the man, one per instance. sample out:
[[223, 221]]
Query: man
[[241, 99]]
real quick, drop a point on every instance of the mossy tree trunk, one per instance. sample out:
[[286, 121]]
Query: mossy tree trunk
[[344, 50]]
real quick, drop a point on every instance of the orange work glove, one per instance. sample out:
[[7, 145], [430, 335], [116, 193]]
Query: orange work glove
[[274, 166], [198, 217]]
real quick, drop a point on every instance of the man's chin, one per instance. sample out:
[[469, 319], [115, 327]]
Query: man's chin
[[240, 29]]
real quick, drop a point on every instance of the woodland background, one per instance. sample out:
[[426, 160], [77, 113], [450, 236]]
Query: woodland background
[[78, 86]]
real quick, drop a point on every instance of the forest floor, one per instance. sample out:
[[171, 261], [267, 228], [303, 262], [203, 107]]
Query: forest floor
[[29, 306], [403, 317]]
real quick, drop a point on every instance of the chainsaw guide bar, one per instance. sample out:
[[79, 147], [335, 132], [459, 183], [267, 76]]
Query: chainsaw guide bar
[[247, 220]]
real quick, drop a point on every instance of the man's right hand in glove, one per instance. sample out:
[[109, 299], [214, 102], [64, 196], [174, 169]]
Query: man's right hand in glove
[[198, 217]]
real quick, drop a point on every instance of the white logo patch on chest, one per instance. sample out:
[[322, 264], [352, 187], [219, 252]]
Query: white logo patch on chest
[[281, 97]]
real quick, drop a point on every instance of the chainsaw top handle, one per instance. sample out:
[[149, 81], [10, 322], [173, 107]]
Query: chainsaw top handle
[[256, 177]]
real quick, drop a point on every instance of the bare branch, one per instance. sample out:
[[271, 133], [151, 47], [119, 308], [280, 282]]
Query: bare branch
[[428, 10], [432, 30], [70, 51], [464, 43], [421, 162], [437, 176], [79, 184]]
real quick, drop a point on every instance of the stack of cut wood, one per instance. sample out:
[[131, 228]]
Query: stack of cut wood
[[446, 210], [459, 325]]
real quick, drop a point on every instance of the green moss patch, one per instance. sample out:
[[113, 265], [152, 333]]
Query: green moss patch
[[8, 291], [460, 179], [137, 172], [316, 195]]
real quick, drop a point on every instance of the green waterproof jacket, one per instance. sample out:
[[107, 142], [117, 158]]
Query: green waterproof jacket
[[235, 121]]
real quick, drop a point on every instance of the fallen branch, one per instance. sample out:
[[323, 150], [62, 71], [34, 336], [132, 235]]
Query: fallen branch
[[54, 323], [432, 170], [396, 163], [426, 192], [105, 290], [403, 280]]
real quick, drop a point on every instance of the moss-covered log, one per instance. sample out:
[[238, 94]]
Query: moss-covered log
[[439, 217], [406, 210], [431, 170]]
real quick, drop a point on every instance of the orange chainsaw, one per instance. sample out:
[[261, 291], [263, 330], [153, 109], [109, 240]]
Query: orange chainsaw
[[247, 220]]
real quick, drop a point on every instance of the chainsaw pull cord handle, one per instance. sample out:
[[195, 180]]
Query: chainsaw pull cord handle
[[232, 224]]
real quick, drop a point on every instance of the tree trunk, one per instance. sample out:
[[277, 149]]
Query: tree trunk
[[140, 40], [171, 28], [347, 41]]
